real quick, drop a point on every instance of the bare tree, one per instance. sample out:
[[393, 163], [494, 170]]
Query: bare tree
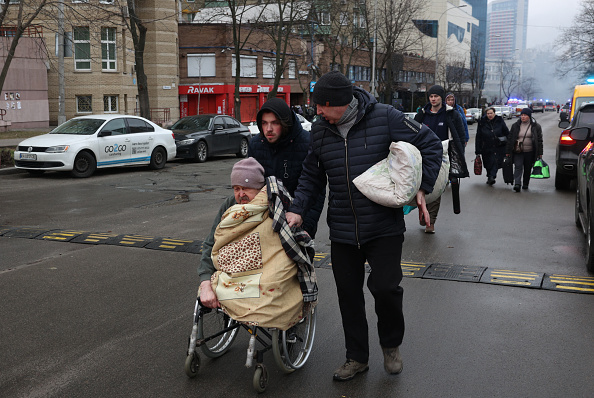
[[577, 43], [396, 35], [476, 72], [278, 22], [529, 87], [509, 78], [17, 18], [456, 74]]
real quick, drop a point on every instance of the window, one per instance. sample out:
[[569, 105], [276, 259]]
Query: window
[[106, 1], [324, 18], [292, 69], [247, 66], [116, 126], [231, 123], [268, 67], [219, 124], [139, 126], [80, 1], [108, 49], [82, 48], [201, 65], [10, 1], [110, 103], [344, 18], [67, 44], [84, 104]]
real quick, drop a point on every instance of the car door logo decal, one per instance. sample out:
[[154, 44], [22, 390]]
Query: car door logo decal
[[115, 149]]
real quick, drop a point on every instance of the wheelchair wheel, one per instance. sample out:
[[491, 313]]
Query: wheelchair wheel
[[192, 365], [260, 380], [211, 323], [292, 347]]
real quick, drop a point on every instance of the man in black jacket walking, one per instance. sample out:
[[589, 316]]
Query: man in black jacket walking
[[355, 133], [447, 123]]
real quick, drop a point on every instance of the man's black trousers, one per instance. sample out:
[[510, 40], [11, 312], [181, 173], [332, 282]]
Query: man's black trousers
[[348, 266]]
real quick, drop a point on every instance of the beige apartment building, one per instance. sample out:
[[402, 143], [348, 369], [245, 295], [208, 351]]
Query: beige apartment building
[[99, 64]]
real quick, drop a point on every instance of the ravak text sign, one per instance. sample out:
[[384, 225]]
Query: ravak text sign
[[219, 99]]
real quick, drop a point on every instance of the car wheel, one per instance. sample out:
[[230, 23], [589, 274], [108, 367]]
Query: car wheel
[[243, 149], [201, 152], [590, 242], [562, 182], [84, 165], [158, 158]]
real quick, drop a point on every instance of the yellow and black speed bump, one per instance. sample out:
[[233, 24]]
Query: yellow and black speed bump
[[131, 240], [195, 247], [452, 272], [413, 270], [60, 235], [94, 238], [568, 283], [26, 232], [322, 260], [175, 245], [513, 278], [4, 229]]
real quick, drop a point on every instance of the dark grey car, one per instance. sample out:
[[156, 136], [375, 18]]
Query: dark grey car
[[572, 141], [198, 137]]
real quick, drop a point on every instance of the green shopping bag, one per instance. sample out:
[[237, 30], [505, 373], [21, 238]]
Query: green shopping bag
[[540, 169]]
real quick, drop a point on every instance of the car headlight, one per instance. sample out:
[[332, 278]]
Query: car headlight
[[57, 149], [186, 142]]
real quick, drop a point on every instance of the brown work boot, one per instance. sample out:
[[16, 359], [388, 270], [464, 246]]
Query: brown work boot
[[392, 360], [349, 370]]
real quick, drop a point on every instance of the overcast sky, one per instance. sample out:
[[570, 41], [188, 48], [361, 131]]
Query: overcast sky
[[545, 17]]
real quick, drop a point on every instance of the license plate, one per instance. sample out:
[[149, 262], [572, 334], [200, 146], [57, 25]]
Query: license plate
[[30, 156]]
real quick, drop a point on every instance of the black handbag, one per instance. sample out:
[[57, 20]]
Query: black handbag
[[502, 140]]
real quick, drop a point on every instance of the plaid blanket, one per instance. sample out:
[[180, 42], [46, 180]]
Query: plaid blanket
[[297, 243]]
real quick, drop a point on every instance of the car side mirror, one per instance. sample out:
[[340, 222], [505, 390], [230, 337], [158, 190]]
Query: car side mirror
[[563, 124], [104, 133]]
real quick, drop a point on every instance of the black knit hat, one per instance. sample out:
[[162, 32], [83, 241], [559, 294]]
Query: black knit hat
[[333, 89], [279, 108], [526, 111], [437, 89]]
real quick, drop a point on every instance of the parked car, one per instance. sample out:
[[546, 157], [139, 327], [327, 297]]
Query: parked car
[[519, 108], [584, 204], [306, 124], [575, 136], [537, 106], [564, 112], [550, 106], [477, 113], [503, 111], [83, 144], [198, 137], [470, 117]]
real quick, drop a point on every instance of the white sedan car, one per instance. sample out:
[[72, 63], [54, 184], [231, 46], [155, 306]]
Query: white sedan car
[[83, 144]]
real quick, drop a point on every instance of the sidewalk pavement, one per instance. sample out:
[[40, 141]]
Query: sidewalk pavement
[[11, 142]]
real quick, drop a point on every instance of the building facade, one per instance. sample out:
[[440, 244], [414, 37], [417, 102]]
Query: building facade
[[507, 27]]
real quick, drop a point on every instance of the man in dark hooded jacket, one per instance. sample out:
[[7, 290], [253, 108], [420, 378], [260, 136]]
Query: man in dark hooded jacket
[[353, 134], [446, 122], [281, 148]]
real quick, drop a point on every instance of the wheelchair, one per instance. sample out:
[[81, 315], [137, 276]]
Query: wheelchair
[[214, 332]]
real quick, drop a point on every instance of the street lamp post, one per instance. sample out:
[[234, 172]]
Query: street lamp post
[[437, 37]]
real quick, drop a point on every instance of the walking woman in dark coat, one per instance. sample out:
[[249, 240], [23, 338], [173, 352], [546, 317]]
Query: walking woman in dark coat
[[492, 135]]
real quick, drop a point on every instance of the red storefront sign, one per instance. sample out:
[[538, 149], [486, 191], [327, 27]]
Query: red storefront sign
[[218, 98]]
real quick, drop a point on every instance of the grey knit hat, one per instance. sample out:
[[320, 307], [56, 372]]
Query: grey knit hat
[[333, 89], [248, 173]]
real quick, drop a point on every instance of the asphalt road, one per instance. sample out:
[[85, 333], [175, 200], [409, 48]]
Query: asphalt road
[[80, 320]]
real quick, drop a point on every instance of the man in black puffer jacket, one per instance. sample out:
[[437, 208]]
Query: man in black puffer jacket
[[281, 148], [355, 133]]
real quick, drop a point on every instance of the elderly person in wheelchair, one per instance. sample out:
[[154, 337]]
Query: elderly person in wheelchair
[[253, 266]]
